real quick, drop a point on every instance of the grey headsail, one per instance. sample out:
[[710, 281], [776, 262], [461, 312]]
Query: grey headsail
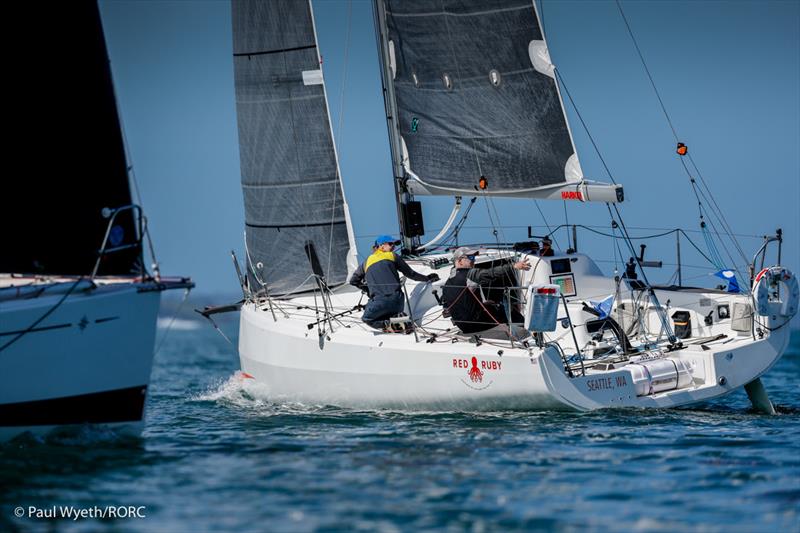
[[474, 96], [293, 196]]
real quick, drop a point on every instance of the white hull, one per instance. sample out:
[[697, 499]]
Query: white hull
[[388, 371], [88, 362], [354, 366]]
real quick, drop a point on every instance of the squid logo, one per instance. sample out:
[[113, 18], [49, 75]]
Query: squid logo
[[476, 369], [475, 373]]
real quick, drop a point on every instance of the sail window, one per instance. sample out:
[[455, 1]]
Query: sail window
[[415, 78], [494, 77], [448, 82]]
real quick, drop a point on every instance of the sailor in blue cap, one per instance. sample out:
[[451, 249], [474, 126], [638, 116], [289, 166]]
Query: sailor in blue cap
[[378, 276]]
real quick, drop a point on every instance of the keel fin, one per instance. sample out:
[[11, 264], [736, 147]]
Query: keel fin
[[758, 397]]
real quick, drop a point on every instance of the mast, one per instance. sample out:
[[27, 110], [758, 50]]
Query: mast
[[402, 195]]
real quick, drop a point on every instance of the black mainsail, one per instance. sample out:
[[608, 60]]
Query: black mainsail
[[67, 151], [473, 93], [296, 218]]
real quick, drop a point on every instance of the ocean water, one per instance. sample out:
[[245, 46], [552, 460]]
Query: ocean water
[[216, 456]]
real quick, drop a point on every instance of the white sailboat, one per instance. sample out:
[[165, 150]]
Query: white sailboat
[[78, 308], [465, 118]]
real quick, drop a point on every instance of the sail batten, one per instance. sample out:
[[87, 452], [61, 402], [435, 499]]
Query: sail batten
[[290, 179], [472, 100]]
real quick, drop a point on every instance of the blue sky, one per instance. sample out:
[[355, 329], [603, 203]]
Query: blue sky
[[728, 72]]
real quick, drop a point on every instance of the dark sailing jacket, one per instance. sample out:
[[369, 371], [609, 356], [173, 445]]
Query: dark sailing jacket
[[380, 272], [462, 299]]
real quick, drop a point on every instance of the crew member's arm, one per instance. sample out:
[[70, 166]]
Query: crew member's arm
[[403, 267], [484, 276], [357, 279]]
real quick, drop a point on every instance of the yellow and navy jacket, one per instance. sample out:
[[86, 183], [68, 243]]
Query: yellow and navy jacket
[[379, 272]]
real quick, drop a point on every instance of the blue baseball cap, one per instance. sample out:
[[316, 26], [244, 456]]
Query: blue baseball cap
[[383, 239]]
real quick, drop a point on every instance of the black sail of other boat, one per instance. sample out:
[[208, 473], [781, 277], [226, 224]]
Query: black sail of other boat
[[296, 218], [68, 145], [78, 307]]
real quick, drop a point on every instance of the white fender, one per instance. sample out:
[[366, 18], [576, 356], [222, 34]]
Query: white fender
[[776, 292]]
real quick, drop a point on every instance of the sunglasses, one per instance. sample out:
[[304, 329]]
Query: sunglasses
[[470, 257]]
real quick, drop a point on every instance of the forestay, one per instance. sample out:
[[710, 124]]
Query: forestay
[[294, 203], [475, 96]]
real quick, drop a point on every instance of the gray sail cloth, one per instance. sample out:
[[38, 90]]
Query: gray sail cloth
[[513, 131], [292, 192]]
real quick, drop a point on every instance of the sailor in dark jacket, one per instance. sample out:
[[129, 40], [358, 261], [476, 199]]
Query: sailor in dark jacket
[[463, 301], [547, 248], [378, 274]]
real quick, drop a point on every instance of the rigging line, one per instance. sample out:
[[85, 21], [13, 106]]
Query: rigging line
[[616, 244], [549, 229], [129, 169], [716, 258], [453, 234], [613, 236], [718, 211], [172, 321], [662, 315], [713, 252], [696, 247], [566, 222], [694, 188], [583, 123], [45, 315], [491, 219], [698, 192], [499, 222], [647, 70], [344, 73], [733, 264], [337, 143], [719, 214], [667, 231], [704, 221]]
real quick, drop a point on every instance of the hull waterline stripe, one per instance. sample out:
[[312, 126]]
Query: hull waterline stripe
[[121, 405]]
